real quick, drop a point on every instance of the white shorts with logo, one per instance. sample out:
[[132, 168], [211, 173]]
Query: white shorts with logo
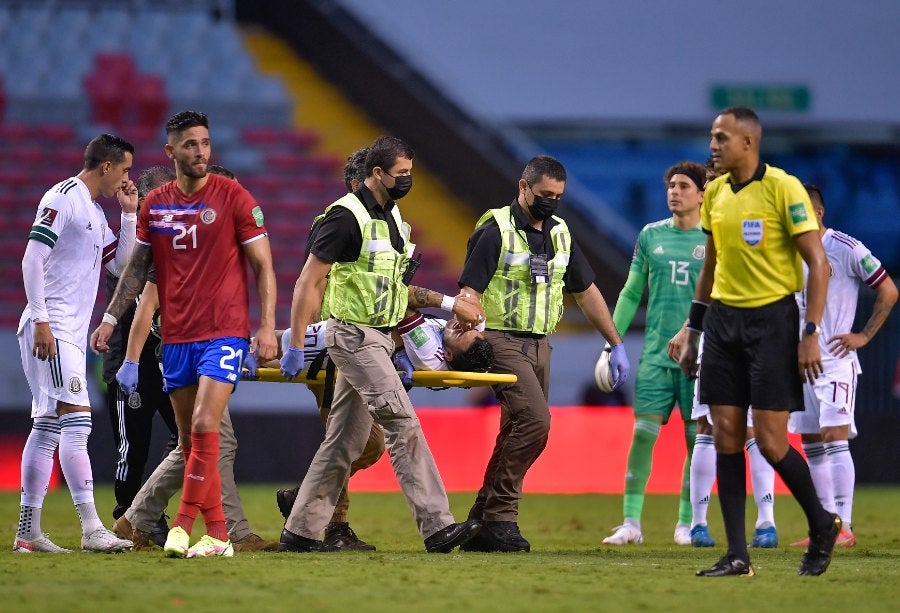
[[830, 401], [699, 410], [61, 379]]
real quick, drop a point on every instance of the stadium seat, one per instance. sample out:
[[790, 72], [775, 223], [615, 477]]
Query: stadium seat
[[149, 95]]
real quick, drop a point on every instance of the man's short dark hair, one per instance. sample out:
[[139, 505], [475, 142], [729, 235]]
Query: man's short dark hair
[[218, 169], [814, 192], [106, 148], [355, 168], [179, 122], [477, 358], [151, 178], [543, 166], [742, 113], [384, 153], [694, 171]]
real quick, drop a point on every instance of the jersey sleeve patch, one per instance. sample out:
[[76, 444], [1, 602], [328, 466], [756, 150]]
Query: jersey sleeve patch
[[418, 337], [47, 216], [258, 216], [798, 213], [869, 264]]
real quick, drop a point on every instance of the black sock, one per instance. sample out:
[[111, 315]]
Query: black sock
[[731, 472], [795, 473]]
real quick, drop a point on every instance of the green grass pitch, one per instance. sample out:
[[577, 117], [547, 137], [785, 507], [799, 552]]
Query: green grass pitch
[[567, 570]]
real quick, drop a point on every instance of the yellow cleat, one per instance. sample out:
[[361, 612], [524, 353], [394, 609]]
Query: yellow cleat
[[208, 547], [177, 543]]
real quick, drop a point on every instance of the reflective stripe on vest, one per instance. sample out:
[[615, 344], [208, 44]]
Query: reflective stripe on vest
[[369, 291], [511, 301]]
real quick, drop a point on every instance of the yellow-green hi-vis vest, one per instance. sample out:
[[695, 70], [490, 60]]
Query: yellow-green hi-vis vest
[[511, 301], [370, 290]]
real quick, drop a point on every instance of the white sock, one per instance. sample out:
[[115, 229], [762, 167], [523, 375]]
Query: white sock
[[76, 466], [820, 470], [843, 478], [703, 475], [37, 466], [762, 475]]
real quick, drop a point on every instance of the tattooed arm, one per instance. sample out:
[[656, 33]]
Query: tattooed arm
[[465, 306], [130, 286]]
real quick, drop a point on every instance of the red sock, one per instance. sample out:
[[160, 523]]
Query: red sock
[[213, 513], [201, 465], [185, 522]]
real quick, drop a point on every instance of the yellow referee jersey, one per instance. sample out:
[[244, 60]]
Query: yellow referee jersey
[[757, 262]]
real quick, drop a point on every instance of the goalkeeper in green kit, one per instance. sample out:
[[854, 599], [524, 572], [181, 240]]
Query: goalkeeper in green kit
[[667, 259]]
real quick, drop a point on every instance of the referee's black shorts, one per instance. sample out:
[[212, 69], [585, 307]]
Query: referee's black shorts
[[750, 356]]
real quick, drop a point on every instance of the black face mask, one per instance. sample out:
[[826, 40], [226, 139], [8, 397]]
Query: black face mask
[[402, 185], [542, 208]]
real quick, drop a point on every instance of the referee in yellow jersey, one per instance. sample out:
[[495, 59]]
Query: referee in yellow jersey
[[759, 224]]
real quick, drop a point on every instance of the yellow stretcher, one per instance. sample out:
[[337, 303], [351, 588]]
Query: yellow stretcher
[[421, 378]]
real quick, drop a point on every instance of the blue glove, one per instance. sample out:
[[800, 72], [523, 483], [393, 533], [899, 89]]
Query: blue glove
[[127, 376], [618, 363], [251, 364], [292, 363], [405, 366]]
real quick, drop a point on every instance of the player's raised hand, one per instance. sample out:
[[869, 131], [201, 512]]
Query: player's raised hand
[[468, 310], [128, 197]]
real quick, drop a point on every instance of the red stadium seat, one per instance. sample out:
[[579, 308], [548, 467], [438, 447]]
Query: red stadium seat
[[107, 99], [55, 134], [302, 139], [149, 95], [14, 131], [262, 135]]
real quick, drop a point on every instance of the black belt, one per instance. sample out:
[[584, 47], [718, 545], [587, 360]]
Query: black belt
[[382, 329], [521, 334]]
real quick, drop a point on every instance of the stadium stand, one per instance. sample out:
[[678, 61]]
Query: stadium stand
[[54, 98], [628, 175]]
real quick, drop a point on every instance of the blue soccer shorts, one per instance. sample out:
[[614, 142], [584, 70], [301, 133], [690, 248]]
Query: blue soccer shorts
[[219, 359]]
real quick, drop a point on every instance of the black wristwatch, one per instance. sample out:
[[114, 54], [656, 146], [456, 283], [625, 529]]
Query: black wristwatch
[[811, 328]]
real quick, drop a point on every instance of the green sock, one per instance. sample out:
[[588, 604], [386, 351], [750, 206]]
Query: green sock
[[640, 457], [685, 512]]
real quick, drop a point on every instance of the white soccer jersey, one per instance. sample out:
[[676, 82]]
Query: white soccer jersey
[[313, 343], [423, 341], [76, 230], [851, 263]]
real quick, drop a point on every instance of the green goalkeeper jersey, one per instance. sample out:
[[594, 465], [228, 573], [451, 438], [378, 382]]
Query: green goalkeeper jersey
[[668, 261]]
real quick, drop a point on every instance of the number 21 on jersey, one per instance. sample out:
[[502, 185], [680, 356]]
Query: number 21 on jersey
[[184, 236]]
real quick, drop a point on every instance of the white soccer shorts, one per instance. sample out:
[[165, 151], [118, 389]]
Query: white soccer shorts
[[61, 379], [830, 401]]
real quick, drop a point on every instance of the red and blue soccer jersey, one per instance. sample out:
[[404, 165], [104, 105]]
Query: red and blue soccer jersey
[[197, 251]]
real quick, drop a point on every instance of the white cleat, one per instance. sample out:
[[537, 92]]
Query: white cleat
[[209, 547], [40, 544], [682, 534], [624, 535], [102, 540]]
